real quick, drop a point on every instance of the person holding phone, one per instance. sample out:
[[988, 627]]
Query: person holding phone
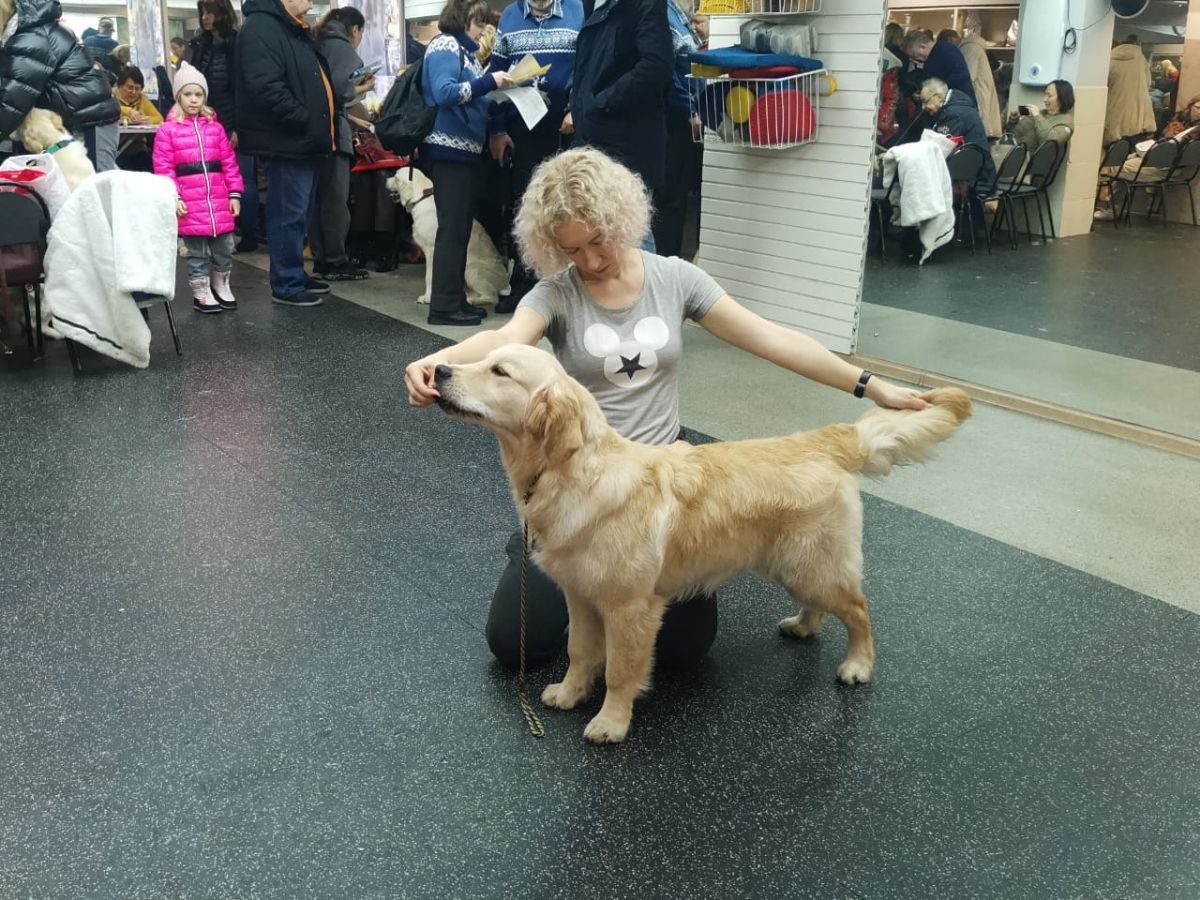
[[1055, 121], [339, 34]]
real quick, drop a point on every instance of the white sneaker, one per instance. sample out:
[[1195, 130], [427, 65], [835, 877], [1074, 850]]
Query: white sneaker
[[1103, 215]]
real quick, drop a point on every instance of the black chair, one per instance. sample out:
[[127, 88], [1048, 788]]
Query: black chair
[[24, 224], [1114, 157], [1162, 156], [964, 165], [1186, 169], [1007, 180], [882, 197], [1039, 175]]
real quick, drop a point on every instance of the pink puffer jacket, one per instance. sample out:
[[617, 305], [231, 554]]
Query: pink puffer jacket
[[195, 153]]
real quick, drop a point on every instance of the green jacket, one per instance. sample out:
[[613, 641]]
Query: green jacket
[[1033, 131]]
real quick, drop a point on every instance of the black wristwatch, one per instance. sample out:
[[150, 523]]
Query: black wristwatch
[[861, 387]]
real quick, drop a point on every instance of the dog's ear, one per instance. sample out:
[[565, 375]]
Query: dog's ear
[[554, 420]]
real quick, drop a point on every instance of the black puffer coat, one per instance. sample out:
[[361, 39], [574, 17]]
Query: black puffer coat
[[43, 65], [284, 94], [213, 56]]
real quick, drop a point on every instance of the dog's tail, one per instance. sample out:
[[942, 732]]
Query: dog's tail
[[894, 437]]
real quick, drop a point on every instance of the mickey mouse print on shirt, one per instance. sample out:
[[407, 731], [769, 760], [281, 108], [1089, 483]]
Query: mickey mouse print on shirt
[[633, 362]]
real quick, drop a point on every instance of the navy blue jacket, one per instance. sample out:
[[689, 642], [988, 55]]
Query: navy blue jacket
[[958, 117], [947, 63], [624, 62]]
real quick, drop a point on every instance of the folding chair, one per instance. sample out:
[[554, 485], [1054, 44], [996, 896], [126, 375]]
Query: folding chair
[[1043, 165], [881, 196], [1007, 180], [1115, 155], [24, 223], [964, 165], [1162, 156], [1184, 173]]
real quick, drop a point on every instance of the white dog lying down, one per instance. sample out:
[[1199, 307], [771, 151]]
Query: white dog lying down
[[486, 273], [43, 129], [622, 527]]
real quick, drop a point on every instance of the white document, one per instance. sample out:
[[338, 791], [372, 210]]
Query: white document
[[527, 100]]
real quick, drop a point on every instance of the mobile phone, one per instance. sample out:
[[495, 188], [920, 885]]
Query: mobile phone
[[1025, 110], [364, 73]]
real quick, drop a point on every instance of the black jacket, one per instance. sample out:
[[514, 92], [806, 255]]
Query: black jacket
[[947, 63], [284, 95], [43, 65], [624, 63], [958, 117], [214, 57]]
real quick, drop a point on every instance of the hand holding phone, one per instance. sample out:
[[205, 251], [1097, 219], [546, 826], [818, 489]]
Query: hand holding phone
[[365, 73]]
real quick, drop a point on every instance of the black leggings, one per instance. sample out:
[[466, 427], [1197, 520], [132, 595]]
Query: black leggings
[[688, 628]]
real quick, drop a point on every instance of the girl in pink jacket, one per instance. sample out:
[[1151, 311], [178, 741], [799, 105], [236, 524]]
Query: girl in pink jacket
[[192, 150]]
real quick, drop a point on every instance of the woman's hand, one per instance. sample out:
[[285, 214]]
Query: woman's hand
[[1034, 111], [180, 208], [233, 139], [568, 125], [418, 378], [359, 123], [235, 206], [889, 396], [139, 119], [365, 86], [503, 80]]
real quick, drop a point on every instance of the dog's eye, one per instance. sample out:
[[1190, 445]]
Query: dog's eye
[[499, 372]]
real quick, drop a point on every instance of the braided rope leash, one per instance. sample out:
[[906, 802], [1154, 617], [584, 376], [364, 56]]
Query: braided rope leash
[[531, 717]]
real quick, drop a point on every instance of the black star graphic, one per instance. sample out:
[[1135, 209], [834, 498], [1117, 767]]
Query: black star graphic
[[631, 365]]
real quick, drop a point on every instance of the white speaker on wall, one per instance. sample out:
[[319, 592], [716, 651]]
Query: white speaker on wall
[[1043, 30]]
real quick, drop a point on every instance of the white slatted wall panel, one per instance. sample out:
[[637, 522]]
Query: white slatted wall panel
[[784, 231]]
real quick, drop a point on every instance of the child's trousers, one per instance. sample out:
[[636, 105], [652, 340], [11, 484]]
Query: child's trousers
[[203, 251]]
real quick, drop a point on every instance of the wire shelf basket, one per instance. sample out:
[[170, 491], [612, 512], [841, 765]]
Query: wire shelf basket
[[768, 113], [759, 8]]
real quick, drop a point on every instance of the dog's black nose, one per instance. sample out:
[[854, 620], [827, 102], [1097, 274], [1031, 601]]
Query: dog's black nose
[[442, 372]]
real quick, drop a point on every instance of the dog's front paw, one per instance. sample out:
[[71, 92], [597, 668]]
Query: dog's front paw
[[559, 696], [606, 730], [854, 671]]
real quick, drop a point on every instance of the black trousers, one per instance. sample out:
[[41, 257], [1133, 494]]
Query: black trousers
[[671, 198], [455, 187], [688, 629], [530, 150]]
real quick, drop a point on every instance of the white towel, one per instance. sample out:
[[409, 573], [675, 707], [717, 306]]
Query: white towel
[[925, 196], [116, 235]]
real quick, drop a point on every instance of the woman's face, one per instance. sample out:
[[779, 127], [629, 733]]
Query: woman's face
[[207, 19], [1051, 100], [356, 34], [129, 91], [475, 30], [596, 258], [1193, 112]]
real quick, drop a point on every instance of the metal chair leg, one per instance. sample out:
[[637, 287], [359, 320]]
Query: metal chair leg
[[1162, 200], [1025, 212], [174, 333], [73, 352], [1037, 201], [37, 306]]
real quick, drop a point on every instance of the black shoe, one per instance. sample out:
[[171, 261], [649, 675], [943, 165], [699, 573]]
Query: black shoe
[[316, 287], [343, 272], [385, 262], [223, 303], [304, 298], [203, 307], [471, 309], [246, 245], [506, 305], [458, 317]]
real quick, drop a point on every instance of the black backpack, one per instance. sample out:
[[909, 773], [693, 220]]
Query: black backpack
[[404, 119]]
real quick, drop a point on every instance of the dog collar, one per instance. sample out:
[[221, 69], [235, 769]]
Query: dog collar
[[425, 195], [58, 145], [529, 490]]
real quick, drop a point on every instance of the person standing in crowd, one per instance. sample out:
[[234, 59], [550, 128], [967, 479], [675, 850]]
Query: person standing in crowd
[[338, 35], [580, 225], [193, 151], [671, 197], [453, 80], [974, 51], [285, 115], [45, 66], [624, 61], [547, 29], [136, 109], [1056, 120], [941, 60], [700, 25], [214, 52], [101, 43], [950, 36], [1130, 113], [178, 52]]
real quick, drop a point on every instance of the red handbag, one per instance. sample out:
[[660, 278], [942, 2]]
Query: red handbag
[[370, 155]]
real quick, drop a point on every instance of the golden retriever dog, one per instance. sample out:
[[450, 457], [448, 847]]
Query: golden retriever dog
[[42, 129], [624, 527], [486, 274]]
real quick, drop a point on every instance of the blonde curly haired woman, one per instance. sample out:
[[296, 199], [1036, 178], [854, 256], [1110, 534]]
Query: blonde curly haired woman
[[614, 315]]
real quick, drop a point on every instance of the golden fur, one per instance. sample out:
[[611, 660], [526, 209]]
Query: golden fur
[[623, 527], [43, 128]]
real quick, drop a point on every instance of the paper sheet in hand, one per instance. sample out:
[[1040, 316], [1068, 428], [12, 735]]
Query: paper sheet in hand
[[527, 100], [527, 70]]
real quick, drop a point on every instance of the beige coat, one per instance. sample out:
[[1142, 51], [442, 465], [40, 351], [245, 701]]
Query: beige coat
[[1129, 109], [974, 51]]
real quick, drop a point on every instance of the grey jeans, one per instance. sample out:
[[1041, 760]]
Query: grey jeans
[[329, 223], [203, 250]]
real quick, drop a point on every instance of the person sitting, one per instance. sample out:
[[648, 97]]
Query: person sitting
[[948, 111], [136, 109], [941, 60], [580, 227], [1055, 121]]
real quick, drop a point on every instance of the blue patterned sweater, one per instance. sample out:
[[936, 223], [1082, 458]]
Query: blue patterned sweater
[[454, 82], [550, 39], [684, 43]]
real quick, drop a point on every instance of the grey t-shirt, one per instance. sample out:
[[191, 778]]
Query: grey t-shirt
[[628, 358]]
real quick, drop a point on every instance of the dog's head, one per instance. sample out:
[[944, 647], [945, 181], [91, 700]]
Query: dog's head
[[526, 397], [40, 129], [408, 186]]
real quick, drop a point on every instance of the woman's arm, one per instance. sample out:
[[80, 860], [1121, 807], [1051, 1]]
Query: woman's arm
[[149, 110], [525, 327], [734, 324]]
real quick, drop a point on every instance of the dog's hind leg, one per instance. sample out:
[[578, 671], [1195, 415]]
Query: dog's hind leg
[[630, 629], [850, 605], [585, 649], [804, 625], [428, 295]]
